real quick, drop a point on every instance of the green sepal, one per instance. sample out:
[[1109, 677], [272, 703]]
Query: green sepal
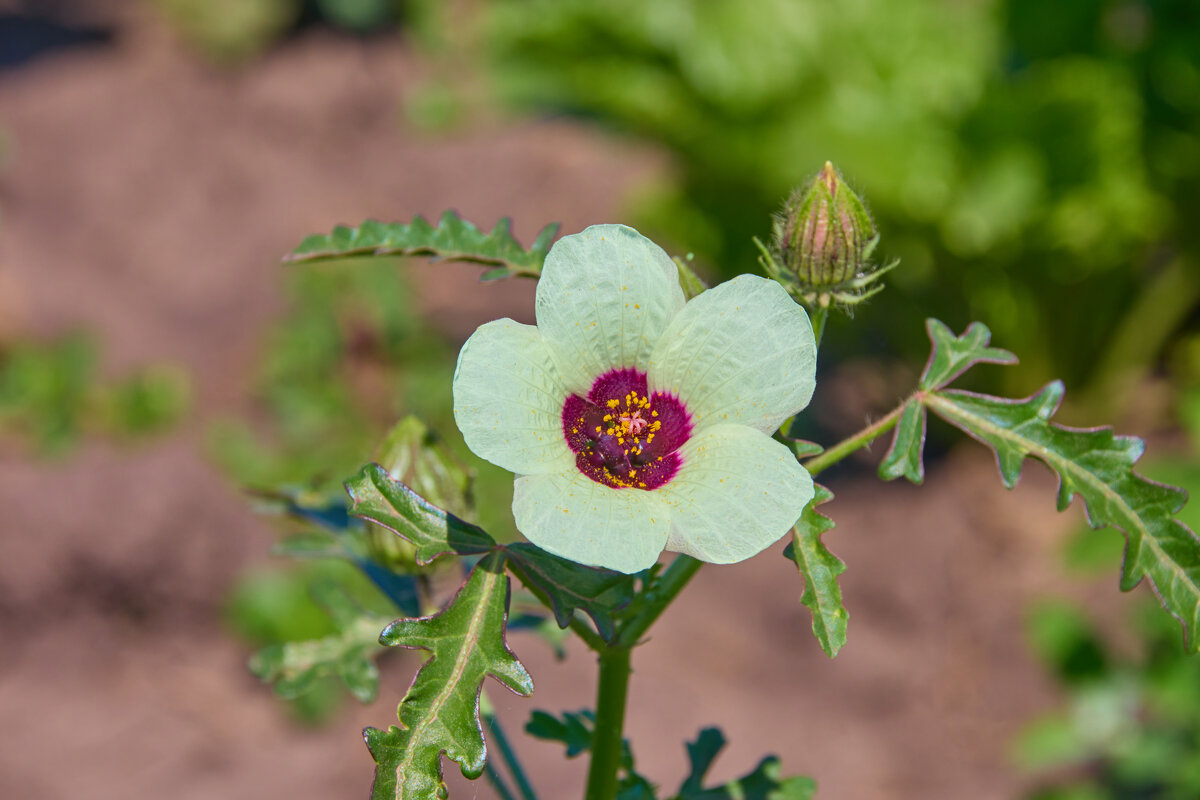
[[691, 283], [953, 355], [904, 459], [294, 667], [418, 458], [566, 586], [440, 712], [1098, 466], [820, 569], [453, 239], [764, 783], [378, 498]]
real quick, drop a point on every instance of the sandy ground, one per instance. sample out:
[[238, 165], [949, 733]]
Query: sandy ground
[[148, 199]]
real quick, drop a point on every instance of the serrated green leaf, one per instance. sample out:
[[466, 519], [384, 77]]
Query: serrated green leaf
[[567, 586], [440, 712], [764, 783], [378, 498], [953, 355], [295, 667], [820, 569], [905, 457], [453, 239], [1098, 466]]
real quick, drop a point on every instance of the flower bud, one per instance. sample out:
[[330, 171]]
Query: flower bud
[[823, 244], [413, 455], [825, 232]]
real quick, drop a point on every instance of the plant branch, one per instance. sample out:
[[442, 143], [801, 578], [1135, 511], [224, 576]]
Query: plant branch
[[851, 444]]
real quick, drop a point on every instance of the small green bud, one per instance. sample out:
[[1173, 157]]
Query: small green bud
[[823, 244]]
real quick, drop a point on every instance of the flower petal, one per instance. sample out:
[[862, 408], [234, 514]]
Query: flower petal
[[574, 517], [737, 493], [508, 399], [603, 300], [742, 352]]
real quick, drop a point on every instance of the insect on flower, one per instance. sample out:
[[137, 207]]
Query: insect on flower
[[636, 421]]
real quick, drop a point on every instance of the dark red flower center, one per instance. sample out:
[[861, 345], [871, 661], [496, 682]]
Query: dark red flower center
[[622, 435]]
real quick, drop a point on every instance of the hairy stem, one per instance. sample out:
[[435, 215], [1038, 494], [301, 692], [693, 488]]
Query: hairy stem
[[610, 723], [850, 444]]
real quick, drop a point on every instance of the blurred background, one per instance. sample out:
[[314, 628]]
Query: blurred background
[[1035, 166]]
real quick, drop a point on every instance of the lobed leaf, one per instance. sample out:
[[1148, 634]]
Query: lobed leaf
[[905, 458], [567, 586], [820, 569], [953, 355], [1094, 463], [378, 498], [1098, 466], [452, 239], [440, 712], [764, 783]]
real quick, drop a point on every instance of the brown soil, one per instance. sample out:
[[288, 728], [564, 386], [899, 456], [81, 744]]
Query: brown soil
[[148, 198]]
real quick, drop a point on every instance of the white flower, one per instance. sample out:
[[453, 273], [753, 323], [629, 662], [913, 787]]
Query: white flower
[[637, 422]]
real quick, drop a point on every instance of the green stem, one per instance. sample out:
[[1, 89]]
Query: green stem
[[608, 738], [850, 444], [497, 737]]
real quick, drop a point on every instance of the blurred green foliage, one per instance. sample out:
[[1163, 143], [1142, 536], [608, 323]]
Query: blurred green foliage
[[232, 31], [271, 607], [51, 395], [1018, 155], [350, 357]]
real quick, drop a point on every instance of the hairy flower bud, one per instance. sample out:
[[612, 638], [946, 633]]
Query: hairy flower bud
[[823, 244], [825, 231]]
